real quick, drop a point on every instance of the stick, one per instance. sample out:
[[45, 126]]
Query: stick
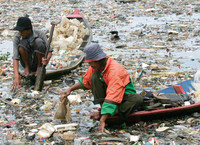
[[42, 71], [16, 105]]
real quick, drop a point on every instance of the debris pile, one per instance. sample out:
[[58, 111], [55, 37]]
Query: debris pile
[[67, 38]]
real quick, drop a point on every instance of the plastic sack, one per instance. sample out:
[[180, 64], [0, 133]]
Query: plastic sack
[[197, 77], [63, 112], [196, 83], [195, 94]]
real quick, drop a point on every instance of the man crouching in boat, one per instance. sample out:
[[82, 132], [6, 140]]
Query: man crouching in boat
[[29, 47], [110, 84]]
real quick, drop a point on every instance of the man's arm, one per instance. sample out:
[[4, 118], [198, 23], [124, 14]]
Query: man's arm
[[49, 56], [102, 122], [76, 87], [69, 90], [16, 82]]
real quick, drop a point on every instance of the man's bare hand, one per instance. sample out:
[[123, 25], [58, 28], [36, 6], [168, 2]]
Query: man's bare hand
[[45, 61], [64, 94], [16, 83]]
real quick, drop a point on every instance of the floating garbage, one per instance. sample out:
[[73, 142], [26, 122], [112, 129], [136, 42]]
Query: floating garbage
[[9, 136], [8, 33], [1, 122], [1, 71], [15, 101], [74, 98], [69, 136], [161, 129], [4, 56], [66, 127], [68, 34], [172, 32], [134, 138], [46, 130]]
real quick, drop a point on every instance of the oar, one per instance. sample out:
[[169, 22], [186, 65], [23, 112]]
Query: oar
[[41, 74]]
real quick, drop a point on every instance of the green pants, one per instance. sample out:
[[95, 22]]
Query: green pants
[[130, 102]]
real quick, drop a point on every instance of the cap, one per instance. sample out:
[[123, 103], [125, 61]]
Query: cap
[[23, 23], [93, 53]]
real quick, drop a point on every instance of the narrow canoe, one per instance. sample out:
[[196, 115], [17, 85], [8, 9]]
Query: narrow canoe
[[51, 74]]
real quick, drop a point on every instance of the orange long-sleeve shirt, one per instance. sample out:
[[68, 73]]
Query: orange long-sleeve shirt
[[116, 78]]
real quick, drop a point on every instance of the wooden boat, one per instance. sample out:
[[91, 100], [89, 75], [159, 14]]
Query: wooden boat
[[51, 74], [162, 113]]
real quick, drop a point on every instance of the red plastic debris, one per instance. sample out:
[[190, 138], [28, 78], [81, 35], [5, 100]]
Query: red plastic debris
[[178, 89]]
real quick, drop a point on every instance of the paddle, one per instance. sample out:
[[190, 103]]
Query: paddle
[[41, 74]]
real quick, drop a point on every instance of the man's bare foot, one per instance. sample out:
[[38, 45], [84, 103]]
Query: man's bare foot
[[37, 71]]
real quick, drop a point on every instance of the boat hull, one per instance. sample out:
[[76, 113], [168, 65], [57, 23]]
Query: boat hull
[[155, 114]]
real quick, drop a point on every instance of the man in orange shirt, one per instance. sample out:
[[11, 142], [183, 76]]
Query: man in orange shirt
[[110, 84]]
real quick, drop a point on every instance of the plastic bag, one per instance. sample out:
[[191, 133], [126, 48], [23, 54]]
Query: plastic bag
[[197, 77], [63, 112], [196, 85]]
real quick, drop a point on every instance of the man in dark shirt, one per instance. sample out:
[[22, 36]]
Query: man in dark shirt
[[29, 47]]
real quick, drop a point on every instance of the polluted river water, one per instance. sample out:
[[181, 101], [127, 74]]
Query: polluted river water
[[152, 33]]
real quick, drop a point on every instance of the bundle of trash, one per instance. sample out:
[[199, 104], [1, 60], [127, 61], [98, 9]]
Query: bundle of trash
[[155, 101], [67, 38]]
